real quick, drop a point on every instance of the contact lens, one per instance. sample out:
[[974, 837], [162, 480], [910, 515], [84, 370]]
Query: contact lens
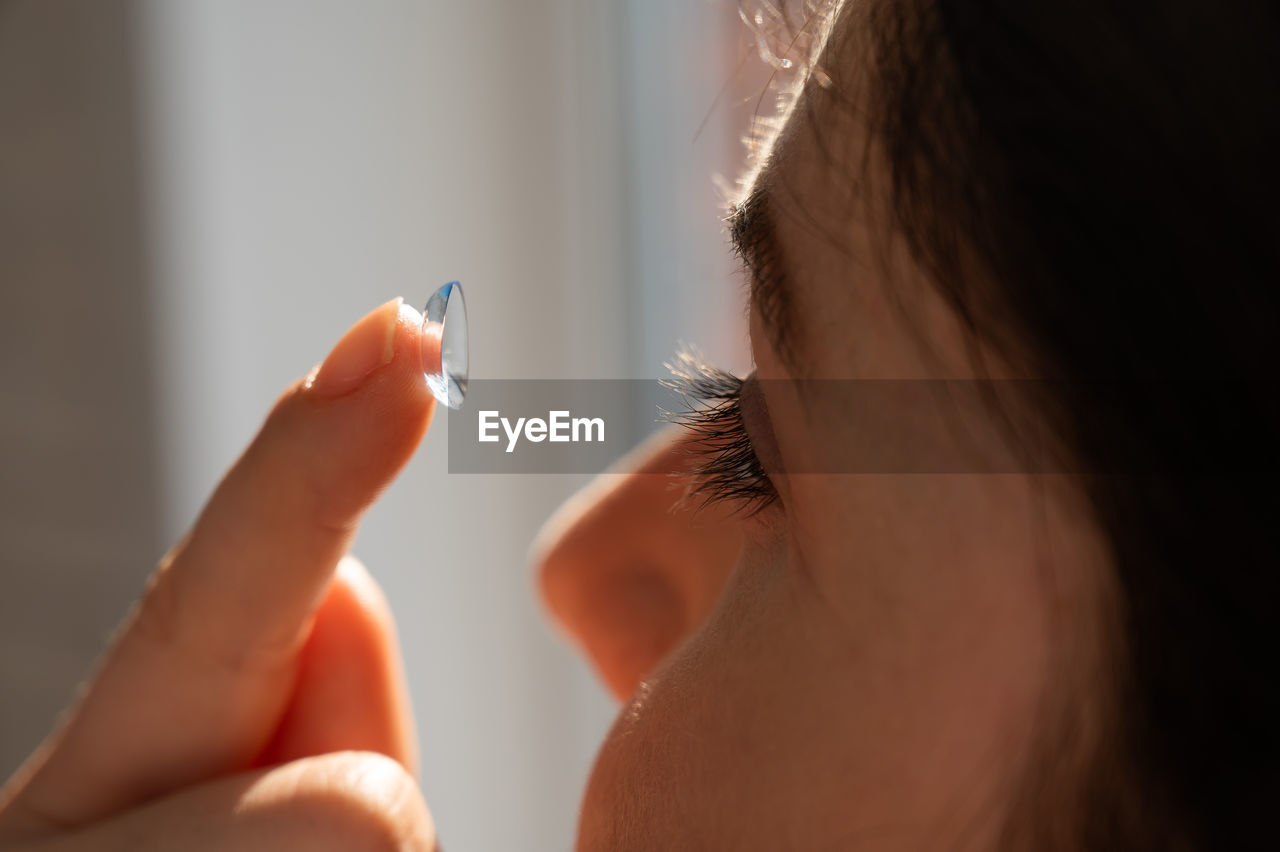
[[444, 344]]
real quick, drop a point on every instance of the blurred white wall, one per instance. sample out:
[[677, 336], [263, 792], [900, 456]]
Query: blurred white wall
[[305, 161]]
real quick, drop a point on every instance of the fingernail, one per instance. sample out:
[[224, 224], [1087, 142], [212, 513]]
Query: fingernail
[[367, 345]]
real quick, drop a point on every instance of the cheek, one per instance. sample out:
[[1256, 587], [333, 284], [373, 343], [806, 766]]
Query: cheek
[[965, 602], [720, 748], [884, 683]]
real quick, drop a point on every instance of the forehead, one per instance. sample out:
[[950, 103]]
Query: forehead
[[822, 76], [864, 307], [824, 133], [806, 182]]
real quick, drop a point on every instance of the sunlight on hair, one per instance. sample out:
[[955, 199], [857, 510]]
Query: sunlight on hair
[[788, 37]]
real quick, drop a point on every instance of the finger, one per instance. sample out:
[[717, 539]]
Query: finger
[[351, 692], [337, 802], [628, 570], [196, 683]]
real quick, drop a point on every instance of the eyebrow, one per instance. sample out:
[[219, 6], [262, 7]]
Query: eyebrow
[[755, 242]]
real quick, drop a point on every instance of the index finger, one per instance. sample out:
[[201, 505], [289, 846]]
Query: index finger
[[202, 670]]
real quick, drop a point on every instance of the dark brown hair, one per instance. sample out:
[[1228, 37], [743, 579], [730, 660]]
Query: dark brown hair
[[1113, 167]]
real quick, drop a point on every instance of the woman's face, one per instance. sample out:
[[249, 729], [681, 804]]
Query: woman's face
[[872, 660]]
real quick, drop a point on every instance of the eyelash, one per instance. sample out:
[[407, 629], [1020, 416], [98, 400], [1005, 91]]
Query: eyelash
[[726, 468]]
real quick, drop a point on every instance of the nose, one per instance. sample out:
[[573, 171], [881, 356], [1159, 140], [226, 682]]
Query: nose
[[628, 569]]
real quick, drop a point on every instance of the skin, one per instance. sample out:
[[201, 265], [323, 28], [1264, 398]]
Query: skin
[[876, 666], [873, 662], [254, 699]]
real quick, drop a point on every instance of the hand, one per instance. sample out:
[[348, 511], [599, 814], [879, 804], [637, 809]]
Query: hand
[[254, 698]]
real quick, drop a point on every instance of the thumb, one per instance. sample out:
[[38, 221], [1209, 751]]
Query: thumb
[[202, 671], [350, 693]]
